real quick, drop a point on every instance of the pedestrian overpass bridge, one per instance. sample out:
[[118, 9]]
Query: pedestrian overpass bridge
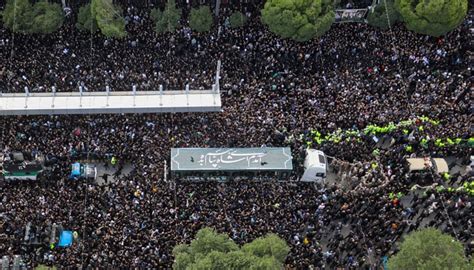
[[113, 102]]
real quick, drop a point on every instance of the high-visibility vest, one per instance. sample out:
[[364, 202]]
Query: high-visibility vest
[[113, 161], [405, 123], [408, 148], [470, 141], [391, 195], [424, 118], [446, 176], [424, 143], [391, 127], [434, 122], [369, 129]]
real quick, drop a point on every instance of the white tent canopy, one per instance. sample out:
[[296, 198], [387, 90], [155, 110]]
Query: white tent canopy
[[441, 165], [421, 164]]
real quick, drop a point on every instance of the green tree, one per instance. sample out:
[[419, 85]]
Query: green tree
[[378, 17], [200, 19], [268, 246], [429, 249], [237, 19], [300, 20], [210, 250], [41, 18], [18, 16], [168, 19], [434, 17], [85, 21], [109, 19], [47, 17]]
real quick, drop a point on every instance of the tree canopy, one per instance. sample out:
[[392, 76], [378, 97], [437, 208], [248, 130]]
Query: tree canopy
[[210, 250], [168, 19], [18, 15], [21, 16], [378, 17], [237, 19], [429, 249], [434, 17], [47, 17], [85, 21], [200, 19], [109, 18], [300, 20]]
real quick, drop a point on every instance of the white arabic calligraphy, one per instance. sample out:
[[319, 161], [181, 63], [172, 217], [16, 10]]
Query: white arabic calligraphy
[[230, 157]]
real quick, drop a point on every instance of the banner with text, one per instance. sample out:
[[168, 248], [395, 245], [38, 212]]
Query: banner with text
[[350, 15]]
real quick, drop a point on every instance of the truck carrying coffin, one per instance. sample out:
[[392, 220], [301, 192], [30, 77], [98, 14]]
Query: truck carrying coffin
[[26, 170], [223, 164]]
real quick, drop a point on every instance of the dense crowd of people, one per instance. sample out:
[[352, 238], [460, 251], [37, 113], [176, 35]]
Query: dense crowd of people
[[275, 92]]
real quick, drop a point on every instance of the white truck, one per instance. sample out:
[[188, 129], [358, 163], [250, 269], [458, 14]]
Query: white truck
[[315, 166]]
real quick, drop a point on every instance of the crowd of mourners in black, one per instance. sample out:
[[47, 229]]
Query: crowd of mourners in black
[[274, 93]]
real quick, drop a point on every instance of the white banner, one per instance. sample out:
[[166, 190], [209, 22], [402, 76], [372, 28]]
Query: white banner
[[350, 15]]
